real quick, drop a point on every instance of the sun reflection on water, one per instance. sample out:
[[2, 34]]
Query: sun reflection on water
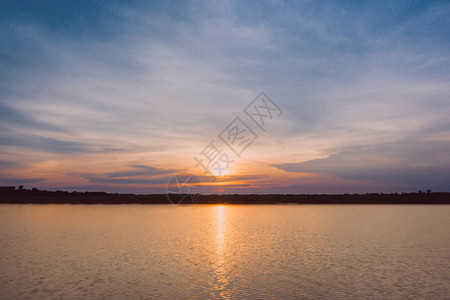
[[219, 264]]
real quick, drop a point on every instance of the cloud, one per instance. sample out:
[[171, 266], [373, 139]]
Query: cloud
[[151, 175], [7, 164], [407, 164], [141, 170], [139, 174], [129, 180], [53, 145], [19, 119], [19, 181]]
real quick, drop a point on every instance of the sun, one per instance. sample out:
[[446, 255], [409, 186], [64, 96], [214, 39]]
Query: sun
[[221, 173]]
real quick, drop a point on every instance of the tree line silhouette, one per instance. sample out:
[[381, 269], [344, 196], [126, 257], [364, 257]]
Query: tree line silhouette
[[20, 195]]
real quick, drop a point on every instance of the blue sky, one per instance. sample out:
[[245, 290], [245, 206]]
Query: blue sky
[[91, 90]]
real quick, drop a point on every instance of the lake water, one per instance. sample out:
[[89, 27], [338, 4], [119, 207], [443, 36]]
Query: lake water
[[221, 252]]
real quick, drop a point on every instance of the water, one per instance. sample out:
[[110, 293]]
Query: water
[[207, 251]]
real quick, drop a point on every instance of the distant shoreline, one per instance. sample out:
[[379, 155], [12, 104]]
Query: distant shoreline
[[11, 195]]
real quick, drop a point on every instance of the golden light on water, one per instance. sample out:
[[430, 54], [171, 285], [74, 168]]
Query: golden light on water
[[220, 228], [219, 261]]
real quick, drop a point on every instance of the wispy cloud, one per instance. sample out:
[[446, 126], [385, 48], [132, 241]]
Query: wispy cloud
[[52, 145], [136, 174], [140, 170]]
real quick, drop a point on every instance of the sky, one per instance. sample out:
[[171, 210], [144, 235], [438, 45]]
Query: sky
[[121, 96]]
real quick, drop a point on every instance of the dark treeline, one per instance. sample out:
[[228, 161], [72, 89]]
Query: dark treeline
[[35, 196]]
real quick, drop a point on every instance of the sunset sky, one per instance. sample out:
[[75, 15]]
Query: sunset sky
[[119, 96]]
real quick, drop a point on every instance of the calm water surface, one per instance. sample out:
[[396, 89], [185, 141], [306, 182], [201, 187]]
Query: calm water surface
[[208, 251]]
